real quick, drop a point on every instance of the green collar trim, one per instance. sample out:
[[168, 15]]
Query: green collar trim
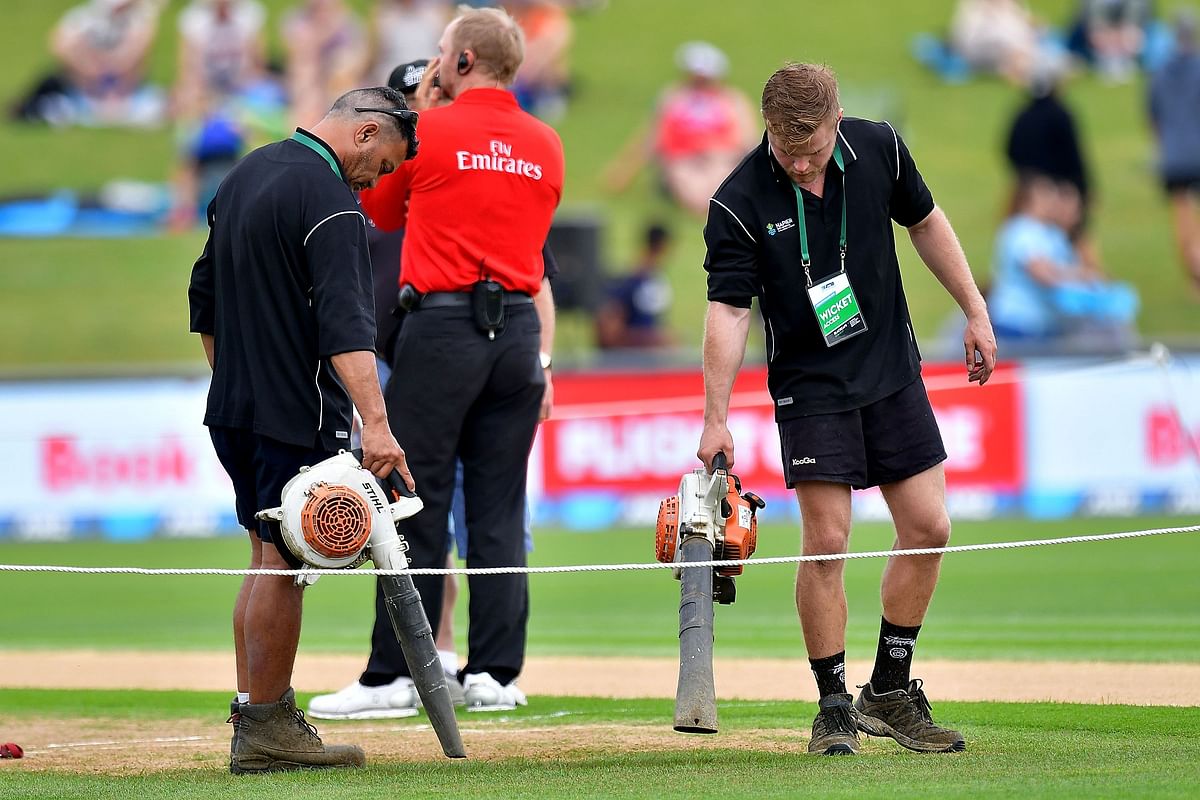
[[318, 147]]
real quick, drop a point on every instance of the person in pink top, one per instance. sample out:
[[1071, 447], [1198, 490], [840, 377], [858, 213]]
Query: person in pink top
[[700, 131]]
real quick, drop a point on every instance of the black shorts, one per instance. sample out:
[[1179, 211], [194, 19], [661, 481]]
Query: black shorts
[[890, 440], [260, 467]]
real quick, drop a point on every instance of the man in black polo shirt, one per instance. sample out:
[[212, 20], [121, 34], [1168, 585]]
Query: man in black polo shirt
[[281, 298], [805, 224]]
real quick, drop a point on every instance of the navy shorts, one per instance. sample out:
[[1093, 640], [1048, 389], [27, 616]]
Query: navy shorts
[[889, 440], [260, 467]]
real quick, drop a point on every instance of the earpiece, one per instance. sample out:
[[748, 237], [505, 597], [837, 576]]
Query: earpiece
[[464, 63]]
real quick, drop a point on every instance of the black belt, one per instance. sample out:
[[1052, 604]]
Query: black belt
[[463, 300]]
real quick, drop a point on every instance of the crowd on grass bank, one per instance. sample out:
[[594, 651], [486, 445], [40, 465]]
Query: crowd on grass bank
[[230, 93]]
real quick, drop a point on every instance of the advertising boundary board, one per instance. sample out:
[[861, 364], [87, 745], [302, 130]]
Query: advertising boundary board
[[129, 458]]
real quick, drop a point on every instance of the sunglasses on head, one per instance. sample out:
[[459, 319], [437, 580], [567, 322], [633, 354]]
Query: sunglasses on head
[[403, 116]]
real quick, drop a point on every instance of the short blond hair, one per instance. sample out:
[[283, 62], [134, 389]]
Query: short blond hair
[[797, 100], [494, 37]]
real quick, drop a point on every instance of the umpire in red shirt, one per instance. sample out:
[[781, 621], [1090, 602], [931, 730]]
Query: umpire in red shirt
[[470, 371]]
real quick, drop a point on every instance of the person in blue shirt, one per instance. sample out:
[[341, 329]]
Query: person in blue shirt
[[1041, 293]]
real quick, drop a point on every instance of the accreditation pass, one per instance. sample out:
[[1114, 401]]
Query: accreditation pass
[[837, 309]]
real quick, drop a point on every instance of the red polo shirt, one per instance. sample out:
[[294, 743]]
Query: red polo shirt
[[481, 195]]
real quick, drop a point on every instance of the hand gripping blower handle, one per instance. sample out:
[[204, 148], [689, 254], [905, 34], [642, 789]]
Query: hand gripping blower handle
[[335, 514]]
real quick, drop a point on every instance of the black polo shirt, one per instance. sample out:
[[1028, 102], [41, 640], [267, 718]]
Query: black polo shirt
[[754, 251], [283, 284]]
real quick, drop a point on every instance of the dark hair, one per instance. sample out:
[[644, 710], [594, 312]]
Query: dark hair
[[383, 101], [657, 235]]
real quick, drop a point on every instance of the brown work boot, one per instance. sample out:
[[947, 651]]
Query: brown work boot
[[833, 731], [907, 717], [235, 719], [271, 737]]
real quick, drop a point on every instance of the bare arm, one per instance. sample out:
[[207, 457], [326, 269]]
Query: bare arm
[[725, 330], [938, 247], [381, 452], [543, 303], [206, 339]]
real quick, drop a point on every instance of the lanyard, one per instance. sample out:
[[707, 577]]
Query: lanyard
[[805, 260], [314, 145]]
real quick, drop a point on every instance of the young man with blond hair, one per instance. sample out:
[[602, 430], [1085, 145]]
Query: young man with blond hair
[[804, 224]]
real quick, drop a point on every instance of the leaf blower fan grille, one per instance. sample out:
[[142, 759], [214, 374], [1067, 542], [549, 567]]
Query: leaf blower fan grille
[[336, 521]]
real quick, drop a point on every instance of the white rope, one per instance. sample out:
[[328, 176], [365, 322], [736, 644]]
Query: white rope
[[920, 551]]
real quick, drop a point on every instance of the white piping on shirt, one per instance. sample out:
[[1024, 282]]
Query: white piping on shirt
[[320, 396], [331, 216], [847, 141], [735, 216], [896, 139], [774, 348]]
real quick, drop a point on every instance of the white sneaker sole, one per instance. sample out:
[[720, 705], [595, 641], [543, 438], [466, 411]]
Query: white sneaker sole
[[498, 707], [368, 713]]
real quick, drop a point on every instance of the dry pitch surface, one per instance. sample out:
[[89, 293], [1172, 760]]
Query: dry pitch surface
[[106, 746]]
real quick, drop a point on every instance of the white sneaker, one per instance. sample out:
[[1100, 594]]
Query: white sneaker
[[482, 692], [396, 699]]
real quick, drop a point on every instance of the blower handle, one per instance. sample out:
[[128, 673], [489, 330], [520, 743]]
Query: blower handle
[[720, 462], [392, 481]]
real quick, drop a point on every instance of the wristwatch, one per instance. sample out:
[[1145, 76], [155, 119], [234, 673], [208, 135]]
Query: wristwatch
[[544, 357]]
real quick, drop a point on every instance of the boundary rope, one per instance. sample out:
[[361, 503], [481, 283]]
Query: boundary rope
[[919, 551]]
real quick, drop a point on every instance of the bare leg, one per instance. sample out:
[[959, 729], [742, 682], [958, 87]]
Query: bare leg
[[820, 591], [1185, 219], [239, 615], [272, 629], [918, 506], [445, 631]]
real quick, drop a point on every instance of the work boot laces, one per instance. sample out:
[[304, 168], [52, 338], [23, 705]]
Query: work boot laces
[[305, 725]]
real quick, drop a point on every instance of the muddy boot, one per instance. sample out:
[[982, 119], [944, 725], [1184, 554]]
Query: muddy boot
[[272, 737], [235, 719]]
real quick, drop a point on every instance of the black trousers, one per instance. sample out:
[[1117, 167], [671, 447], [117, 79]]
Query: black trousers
[[455, 393]]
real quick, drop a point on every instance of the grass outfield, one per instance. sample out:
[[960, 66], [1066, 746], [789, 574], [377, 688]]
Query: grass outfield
[[1030, 750], [1131, 600], [124, 300]]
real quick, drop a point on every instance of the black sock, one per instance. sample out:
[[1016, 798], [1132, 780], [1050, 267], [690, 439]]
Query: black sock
[[893, 659], [831, 673]]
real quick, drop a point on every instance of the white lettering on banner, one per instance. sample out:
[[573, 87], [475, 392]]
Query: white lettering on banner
[[68, 465], [962, 433], [492, 162]]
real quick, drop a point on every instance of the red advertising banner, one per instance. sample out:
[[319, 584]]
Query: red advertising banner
[[638, 431]]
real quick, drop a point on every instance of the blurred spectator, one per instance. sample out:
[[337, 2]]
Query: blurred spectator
[[1041, 295], [327, 55], [1175, 114], [1111, 35], [633, 310], [101, 47], [543, 81], [996, 37], [221, 93], [403, 31], [701, 130], [1044, 140]]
